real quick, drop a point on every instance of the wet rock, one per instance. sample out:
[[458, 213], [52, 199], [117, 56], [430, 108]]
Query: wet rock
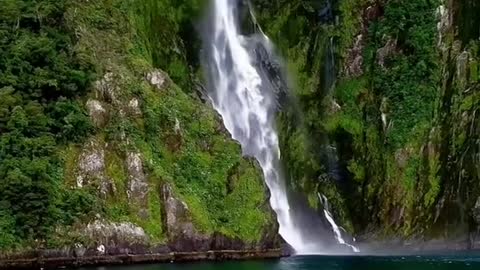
[[37, 261], [271, 239], [287, 250], [54, 253], [79, 250], [476, 212], [220, 242], [97, 112], [158, 79]]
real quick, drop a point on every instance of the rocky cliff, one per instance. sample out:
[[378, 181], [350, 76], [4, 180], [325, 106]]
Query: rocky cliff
[[383, 115], [152, 168], [108, 145]]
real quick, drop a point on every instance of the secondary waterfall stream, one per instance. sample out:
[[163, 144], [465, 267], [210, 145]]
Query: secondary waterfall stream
[[244, 93], [336, 230]]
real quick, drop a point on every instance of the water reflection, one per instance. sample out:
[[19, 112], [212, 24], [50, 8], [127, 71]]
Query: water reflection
[[380, 263], [453, 262], [253, 265]]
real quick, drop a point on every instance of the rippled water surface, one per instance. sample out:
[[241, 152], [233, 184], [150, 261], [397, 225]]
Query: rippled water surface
[[450, 262]]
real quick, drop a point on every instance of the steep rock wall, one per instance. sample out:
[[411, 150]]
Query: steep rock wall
[[387, 128]]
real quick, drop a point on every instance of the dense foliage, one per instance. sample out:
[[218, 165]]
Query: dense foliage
[[391, 145], [411, 75], [50, 53], [40, 83], [373, 110]]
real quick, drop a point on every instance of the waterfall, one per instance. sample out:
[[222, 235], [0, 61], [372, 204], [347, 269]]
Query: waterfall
[[244, 88], [247, 104], [336, 229]]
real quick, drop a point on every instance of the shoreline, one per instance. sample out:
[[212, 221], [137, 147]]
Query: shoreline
[[130, 259]]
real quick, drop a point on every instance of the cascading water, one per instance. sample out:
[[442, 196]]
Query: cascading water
[[245, 93], [336, 229], [247, 109]]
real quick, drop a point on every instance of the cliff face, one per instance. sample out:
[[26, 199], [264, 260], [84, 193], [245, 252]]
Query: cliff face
[[140, 163], [107, 144], [383, 115]]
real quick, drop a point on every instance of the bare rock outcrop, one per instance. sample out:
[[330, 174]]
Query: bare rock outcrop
[[134, 107], [91, 168], [106, 89], [462, 69], [354, 61], [180, 229], [158, 78], [387, 50], [137, 182], [116, 238], [138, 185], [98, 113]]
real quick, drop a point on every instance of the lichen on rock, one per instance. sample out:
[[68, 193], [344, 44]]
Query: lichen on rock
[[354, 66], [462, 69], [115, 235], [91, 168], [178, 223], [386, 51], [134, 107], [106, 88], [158, 78], [98, 113], [137, 191]]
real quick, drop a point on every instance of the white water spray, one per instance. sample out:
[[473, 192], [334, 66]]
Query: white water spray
[[248, 106]]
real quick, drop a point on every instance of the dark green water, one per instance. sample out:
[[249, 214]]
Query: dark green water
[[454, 262]]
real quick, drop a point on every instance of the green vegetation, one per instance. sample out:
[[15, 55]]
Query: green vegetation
[[392, 122], [393, 146], [188, 148], [397, 101], [411, 74], [180, 139], [41, 81], [50, 54]]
